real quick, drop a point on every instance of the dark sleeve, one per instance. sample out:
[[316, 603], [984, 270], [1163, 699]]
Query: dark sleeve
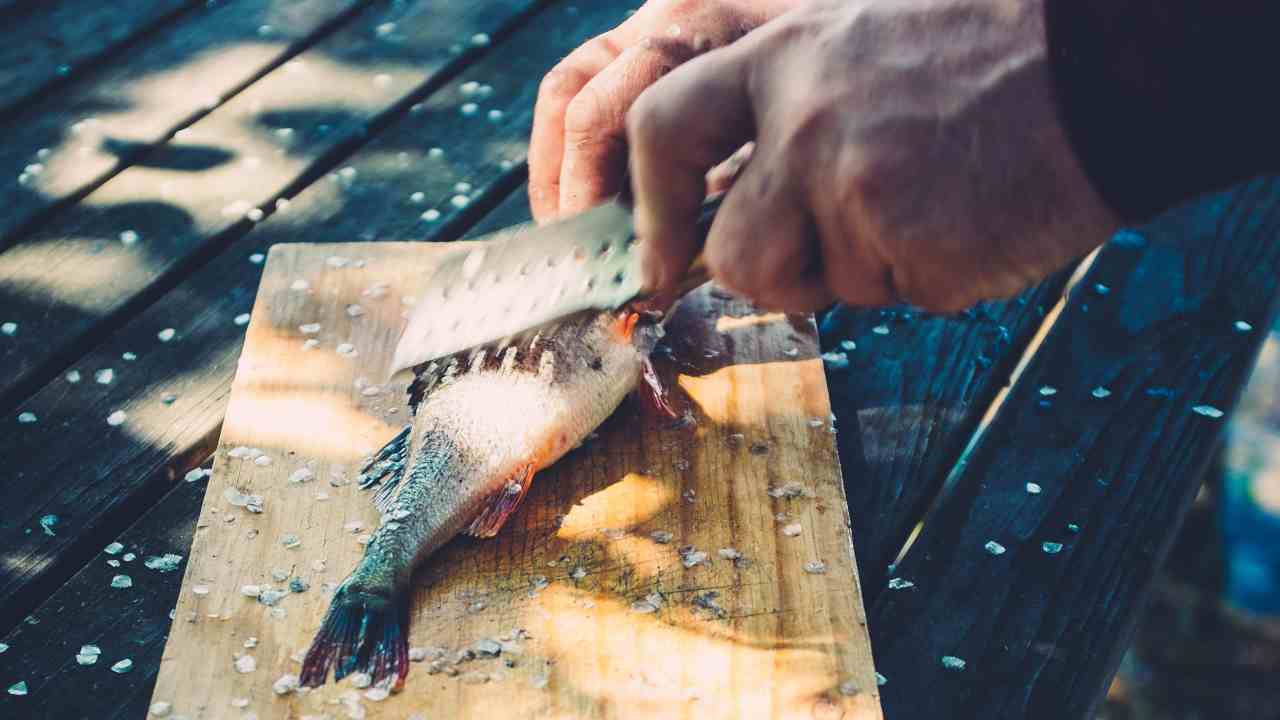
[[1167, 99]]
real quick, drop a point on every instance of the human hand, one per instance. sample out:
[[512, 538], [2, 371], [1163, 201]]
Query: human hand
[[578, 152], [905, 150]]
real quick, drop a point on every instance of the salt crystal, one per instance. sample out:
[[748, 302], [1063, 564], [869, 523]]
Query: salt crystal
[[1100, 392], [815, 567], [26, 418], [994, 547], [129, 557], [257, 258], [262, 460], [18, 688], [661, 536], [1033, 488], [487, 647], [729, 553], [361, 680], [128, 237], [302, 475], [951, 662], [385, 29], [848, 345], [9, 328], [431, 215], [309, 328], [880, 330], [300, 285], [122, 667], [347, 350], [1051, 548], [121, 582], [250, 590], [354, 311], [469, 108], [113, 549], [105, 376], [240, 702], [166, 334], [73, 376], [246, 664], [86, 659], [1048, 391], [459, 201], [290, 540], [163, 563], [382, 80], [792, 529], [835, 360], [4, 647], [881, 680], [495, 115], [900, 584], [435, 152], [792, 489], [462, 187], [848, 688], [1242, 326], [161, 708], [113, 563], [377, 694], [254, 214], [298, 585], [116, 418], [194, 475], [200, 590], [242, 319], [480, 39], [1208, 411]]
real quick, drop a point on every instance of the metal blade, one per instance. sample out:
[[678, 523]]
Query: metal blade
[[520, 278]]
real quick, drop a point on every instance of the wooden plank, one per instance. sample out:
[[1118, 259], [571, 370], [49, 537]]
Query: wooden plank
[[789, 637], [124, 623], [148, 226], [54, 40], [121, 471], [61, 145], [135, 622], [911, 394], [1041, 627]]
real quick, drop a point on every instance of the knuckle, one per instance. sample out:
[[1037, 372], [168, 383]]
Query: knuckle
[[586, 114], [561, 82]]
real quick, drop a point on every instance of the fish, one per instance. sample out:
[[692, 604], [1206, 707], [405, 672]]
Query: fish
[[483, 426]]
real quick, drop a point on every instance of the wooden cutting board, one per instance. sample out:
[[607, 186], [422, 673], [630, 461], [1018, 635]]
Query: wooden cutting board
[[596, 617]]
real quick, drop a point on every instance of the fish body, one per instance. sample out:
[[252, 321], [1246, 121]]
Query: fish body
[[483, 425]]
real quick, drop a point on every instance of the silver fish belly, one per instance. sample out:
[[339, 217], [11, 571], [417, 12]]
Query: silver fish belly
[[483, 426]]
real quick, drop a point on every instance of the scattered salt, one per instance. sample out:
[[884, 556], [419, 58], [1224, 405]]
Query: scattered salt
[[951, 662], [242, 319], [73, 376], [113, 549], [18, 688], [285, 684], [1051, 548], [105, 376], [1208, 411], [994, 547], [880, 330], [116, 418], [302, 475], [128, 237], [26, 418], [1100, 392], [1033, 488], [431, 215], [9, 328], [163, 563], [900, 584], [121, 582], [792, 529], [815, 567], [246, 664], [166, 334], [122, 667], [661, 536], [257, 258], [299, 285]]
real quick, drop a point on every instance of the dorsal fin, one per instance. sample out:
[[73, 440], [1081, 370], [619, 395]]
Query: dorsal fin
[[499, 506]]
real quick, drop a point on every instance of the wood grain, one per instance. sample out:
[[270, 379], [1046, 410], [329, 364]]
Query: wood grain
[[278, 135], [788, 639], [1042, 627], [69, 141]]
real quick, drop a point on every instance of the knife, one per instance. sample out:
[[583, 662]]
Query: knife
[[528, 276]]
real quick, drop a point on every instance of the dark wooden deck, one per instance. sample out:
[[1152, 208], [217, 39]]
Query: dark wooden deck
[[153, 150]]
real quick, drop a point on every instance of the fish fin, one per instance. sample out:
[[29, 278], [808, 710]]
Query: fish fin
[[500, 505], [362, 632], [654, 391], [386, 467]]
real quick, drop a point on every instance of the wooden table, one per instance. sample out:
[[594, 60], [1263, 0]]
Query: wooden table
[[154, 154]]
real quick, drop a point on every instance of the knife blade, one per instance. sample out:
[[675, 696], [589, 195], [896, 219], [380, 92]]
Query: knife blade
[[527, 276]]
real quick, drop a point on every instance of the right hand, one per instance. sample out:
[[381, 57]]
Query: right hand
[[578, 151]]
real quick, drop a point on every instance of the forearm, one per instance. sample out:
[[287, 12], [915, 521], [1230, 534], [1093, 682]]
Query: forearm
[[1166, 99]]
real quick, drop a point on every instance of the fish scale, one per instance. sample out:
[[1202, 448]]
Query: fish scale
[[483, 425]]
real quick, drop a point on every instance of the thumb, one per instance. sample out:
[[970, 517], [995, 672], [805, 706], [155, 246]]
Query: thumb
[[677, 130]]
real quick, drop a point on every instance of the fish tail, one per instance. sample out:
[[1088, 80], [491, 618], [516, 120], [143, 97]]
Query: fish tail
[[365, 630]]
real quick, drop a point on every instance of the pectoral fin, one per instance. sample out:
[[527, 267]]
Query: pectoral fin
[[501, 504]]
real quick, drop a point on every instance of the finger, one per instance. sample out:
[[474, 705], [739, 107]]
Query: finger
[[678, 129], [721, 177], [595, 151], [546, 140], [763, 244]]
